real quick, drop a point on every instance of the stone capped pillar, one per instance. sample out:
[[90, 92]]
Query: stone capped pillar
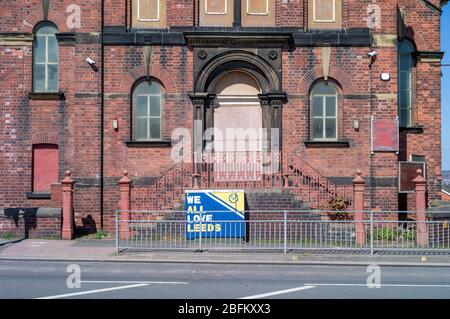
[[125, 205], [358, 207], [421, 206], [67, 206]]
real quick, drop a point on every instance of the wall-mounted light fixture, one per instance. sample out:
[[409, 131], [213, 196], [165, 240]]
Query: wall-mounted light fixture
[[356, 125], [385, 76], [115, 125]]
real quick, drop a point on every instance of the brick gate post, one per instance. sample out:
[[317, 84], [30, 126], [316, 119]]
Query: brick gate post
[[124, 205], [358, 207], [67, 206], [421, 207]]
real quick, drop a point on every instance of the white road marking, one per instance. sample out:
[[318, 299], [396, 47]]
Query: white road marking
[[384, 285], [134, 282], [279, 292], [92, 291]]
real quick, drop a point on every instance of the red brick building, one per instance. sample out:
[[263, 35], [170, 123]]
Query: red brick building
[[299, 68]]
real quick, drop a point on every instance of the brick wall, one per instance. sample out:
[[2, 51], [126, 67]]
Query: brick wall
[[30, 223], [74, 124]]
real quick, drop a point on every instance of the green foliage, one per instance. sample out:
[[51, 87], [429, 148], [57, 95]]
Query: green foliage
[[390, 234], [100, 234], [8, 236]]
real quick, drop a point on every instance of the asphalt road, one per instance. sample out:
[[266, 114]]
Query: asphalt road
[[39, 279]]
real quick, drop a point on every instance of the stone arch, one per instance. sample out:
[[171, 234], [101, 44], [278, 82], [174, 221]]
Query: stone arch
[[37, 15], [157, 72], [335, 73], [416, 38], [238, 61], [44, 138]]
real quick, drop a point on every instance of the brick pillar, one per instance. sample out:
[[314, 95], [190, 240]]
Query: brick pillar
[[67, 206], [421, 206], [358, 207], [125, 205]]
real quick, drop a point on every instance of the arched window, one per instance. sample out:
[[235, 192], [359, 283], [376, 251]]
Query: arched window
[[405, 93], [45, 58], [324, 111], [147, 108]]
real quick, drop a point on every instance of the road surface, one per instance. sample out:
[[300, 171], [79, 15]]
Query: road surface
[[45, 279]]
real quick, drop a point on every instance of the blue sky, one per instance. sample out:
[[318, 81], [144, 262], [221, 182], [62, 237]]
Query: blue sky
[[445, 46]]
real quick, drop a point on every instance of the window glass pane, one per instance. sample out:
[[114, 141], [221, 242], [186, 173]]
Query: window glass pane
[[317, 106], [39, 77], [418, 158], [325, 88], [405, 81], [155, 106], [155, 128], [405, 62], [317, 128], [148, 88], [330, 106], [404, 101], [330, 128], [52, 80], [141, 128], [141, 106], [52, 49], [39, 49], [46, 28], [405, 117]]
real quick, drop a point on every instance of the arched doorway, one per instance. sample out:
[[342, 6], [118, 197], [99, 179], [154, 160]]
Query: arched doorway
[[240, 91], [237, 113]]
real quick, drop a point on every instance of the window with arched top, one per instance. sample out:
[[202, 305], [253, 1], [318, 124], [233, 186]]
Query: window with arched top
[[405, 88], [148, 99], [324, 111], [45, 58]]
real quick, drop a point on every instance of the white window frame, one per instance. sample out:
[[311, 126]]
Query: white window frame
[[324, 117], [216, 13], [324, 21], [144, 19], [258, 13], [46, 63], [149, 117]]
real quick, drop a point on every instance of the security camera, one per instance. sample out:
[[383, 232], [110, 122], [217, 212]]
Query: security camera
[[92, 64], [90, 61], [372, 54]]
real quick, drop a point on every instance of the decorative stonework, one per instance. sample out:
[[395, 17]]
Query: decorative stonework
[[273, 55], [202, 54], [156, 71], [335, 73]]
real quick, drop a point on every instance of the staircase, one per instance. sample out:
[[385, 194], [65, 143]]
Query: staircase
[[307, 187], [311, 186]]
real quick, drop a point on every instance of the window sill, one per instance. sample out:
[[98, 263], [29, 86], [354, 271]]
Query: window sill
[[36, 195], [327, 144], [418, 129], [163, 143], [47, 96]]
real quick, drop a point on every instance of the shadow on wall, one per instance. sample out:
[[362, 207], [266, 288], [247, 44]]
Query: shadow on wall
[[89, 226], [28, 215]]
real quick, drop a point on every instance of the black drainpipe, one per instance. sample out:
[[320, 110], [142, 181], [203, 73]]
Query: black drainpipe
[[102, 84]]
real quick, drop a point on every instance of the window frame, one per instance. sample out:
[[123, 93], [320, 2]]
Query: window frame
[[148, 20], [148, 117], [410, 90], [324, 21], [324, 117], [46, 63], [258, 13]]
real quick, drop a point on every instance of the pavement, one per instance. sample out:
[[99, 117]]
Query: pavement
[[185, 281], [104, 251]]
